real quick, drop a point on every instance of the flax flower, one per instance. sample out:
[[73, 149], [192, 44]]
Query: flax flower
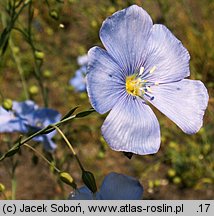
[[26, 117], [142, 63]]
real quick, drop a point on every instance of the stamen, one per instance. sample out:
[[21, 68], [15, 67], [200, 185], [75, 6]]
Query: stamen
[[153, 69], [148, 89], [156, 83], [149, 96], [141, 71]]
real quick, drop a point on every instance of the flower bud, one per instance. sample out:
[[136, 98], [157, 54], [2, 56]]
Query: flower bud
[[89, 180], [157, 183], [151, 184], [2, 187], [39, 54], [47, 74], [177, 180], [171, 173], [7, 104], [54, 14], [16, 49], [67, 179], [33, 90]]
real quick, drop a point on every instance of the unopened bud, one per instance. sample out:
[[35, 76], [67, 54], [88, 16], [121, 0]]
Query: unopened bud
[[2, 187], [151, 184], [54, 14], [94, 23], [7, 104], [171, 173], [16, 49], [39, 54], [33, 90], [89, 180], [67, 179], [47, 73], [157, 183], [177, 180]]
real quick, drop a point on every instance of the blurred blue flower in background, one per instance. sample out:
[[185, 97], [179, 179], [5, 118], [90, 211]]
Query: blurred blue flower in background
[[142, 63], [27, 117], [39, 119], [15, 120], [79, 80], [114, 187]]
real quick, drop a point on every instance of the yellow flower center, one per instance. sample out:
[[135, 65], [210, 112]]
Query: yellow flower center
[[133, 85], [137, 86]]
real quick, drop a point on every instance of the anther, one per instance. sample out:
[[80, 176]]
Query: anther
[[153, 69], [141, 71]]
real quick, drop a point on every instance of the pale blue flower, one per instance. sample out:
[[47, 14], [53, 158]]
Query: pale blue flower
[[79, 80], [114, 187], [41, 118], [142, 63], [27, 117], [15, 120]]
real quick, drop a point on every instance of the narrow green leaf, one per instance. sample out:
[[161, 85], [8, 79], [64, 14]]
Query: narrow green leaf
[[69, 113], [49, 129], [84, 113], [14, 149], [4, 48], [11, 152], [3, 37]]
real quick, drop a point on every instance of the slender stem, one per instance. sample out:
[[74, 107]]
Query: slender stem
[[66, 140], [20, 69], [37, 63], [4, 195], [70, 147], [42, 156], [13, 187], [46, 129]]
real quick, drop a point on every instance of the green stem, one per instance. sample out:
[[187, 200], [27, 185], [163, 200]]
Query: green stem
[[70, 147], [14, 184], [20, 69], [47, 129], [42, 156], [37, 63], [4, 195]]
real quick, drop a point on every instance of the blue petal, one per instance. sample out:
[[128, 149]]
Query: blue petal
[[23, 109], [43, 117], [105, 81], [82, 60], [79, 80], [131, 126], [120, 187], [184, 102], [125, 35], [10, 123], [40, 119], [167, 54], [81, 194]]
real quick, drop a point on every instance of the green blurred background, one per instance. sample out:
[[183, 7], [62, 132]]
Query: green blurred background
[[184, 166]]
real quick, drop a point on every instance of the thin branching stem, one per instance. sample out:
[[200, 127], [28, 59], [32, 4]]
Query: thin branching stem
[[42, 156], [70, 146]]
